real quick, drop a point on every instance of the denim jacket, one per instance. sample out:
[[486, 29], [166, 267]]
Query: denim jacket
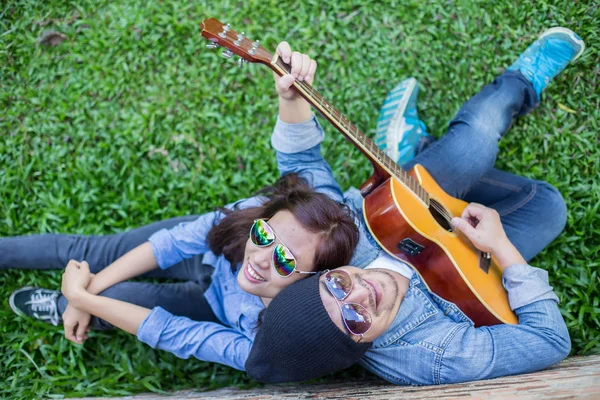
[[430, 340]]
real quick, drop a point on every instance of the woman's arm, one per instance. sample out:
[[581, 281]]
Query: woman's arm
[[297, 135], [77, 277], [121, 314], [207, 341], [164, 248], [293, 108], [134, 263]]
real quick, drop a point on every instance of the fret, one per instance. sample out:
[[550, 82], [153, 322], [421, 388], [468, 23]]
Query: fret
[[343, 122], [320, 101], [371, 150], [349, 125], [337, 113], [384, 161]]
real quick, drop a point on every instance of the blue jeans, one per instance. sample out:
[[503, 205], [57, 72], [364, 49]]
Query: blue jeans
[[533, 212], [53, 251]]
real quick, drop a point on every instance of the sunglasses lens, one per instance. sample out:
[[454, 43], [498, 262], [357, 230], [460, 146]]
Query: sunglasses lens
[[356, 318], [261, 233], [339, 284], [283, 260]]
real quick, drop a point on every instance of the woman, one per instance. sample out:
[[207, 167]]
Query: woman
[[269, 241]]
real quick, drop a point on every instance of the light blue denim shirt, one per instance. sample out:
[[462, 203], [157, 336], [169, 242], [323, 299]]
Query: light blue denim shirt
[[431, 341], [228, 343]]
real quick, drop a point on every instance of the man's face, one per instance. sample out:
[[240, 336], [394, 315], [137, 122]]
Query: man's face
[[379, 291]]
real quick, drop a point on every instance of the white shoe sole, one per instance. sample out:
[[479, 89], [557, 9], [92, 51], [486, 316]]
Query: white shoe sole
[[397, 122], [572, 36], [11, 300]]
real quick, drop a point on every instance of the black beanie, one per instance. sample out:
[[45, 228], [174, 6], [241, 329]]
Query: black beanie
[[297, 339]]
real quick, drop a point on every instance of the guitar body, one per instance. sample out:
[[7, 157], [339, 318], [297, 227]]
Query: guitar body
[[449, 264]]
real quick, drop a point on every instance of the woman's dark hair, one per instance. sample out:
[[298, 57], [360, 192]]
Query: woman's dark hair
[[316, 212]]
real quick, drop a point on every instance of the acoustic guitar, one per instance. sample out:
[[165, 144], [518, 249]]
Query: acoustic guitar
[[406, 211]]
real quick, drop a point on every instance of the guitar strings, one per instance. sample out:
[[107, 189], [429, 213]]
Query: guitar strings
[[340, 116]]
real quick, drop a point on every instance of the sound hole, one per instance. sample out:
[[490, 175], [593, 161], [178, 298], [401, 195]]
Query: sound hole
[[441, 216]]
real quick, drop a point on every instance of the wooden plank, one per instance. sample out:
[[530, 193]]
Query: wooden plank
[[575, 377]]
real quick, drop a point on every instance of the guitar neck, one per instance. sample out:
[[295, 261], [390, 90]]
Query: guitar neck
[[381, 161]]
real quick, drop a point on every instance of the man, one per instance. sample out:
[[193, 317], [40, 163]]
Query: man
[[384, 317]]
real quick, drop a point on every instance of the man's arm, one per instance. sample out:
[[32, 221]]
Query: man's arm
[[539, 340]]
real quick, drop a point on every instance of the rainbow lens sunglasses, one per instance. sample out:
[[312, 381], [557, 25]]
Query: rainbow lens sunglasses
[[284, 262], [356, 317]]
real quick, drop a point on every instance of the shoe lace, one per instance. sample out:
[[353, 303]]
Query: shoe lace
[[45, 302], [549, 58]]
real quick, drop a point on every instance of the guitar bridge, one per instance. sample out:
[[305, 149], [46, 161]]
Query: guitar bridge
[[485, 259]]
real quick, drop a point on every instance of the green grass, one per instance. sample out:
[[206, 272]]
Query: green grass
[[131, 120]]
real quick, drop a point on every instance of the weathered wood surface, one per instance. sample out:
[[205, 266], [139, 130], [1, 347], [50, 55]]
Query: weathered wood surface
[[574, 378]]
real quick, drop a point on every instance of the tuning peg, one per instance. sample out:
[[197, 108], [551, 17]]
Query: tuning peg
[[241, 62], [212, 46], [240, 37], [255, 45], [227, 53], [226, 29]]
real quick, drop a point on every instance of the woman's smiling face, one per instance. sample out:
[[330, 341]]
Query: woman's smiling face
[[257, 275]]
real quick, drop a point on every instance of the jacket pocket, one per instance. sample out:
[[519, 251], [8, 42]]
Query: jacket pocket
[[451, 310], [416, 308]]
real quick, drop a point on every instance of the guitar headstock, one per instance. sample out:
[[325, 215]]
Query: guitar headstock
[[233, 42]]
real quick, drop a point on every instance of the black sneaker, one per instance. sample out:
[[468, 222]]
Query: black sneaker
[[36, 303]]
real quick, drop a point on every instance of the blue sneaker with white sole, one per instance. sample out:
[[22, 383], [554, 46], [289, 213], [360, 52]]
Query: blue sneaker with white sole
[[399, 129], [548, 56]]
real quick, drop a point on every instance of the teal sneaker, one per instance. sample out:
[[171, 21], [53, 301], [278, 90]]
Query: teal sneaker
[[548, 56], [399, 129]]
